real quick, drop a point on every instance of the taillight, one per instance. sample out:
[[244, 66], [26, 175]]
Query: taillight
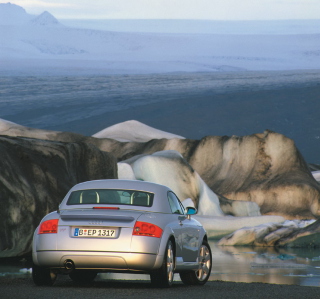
[[146, 229], [49, 227]]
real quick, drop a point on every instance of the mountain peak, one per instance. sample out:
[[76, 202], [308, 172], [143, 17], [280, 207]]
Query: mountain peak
[[11, 8], [13, 14], [45, 19]]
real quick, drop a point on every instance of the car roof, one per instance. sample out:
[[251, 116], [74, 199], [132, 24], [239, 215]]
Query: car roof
[[159, 191], [120, 184]]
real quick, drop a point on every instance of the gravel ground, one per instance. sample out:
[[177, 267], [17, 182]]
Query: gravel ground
[[65, 288]]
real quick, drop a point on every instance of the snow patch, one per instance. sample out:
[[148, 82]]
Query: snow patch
[[133, 130], [316, 175]]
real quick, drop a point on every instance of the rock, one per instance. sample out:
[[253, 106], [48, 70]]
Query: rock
[[266, 169], [263, 168], [286, 234], [35, 176], [308, 236]]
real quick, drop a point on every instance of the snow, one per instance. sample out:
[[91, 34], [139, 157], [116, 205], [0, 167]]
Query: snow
[[12, 129], [316, 175], [133, 130], [42, 44], [6, 125]]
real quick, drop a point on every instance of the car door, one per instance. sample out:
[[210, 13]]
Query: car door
[[187, 231]]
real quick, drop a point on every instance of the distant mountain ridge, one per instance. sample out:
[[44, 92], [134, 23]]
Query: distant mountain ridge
[[42, 45], [12, 14], [9, 8]]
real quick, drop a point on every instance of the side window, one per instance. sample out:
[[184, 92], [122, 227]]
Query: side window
[[174, 203]]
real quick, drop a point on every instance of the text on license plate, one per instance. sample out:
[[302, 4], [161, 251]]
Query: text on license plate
[[95, 232]]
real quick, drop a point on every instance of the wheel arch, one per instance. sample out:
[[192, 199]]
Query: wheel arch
[[205, 238]]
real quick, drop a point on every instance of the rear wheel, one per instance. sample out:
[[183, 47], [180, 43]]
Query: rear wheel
[[43, 276], [201, 276], [163, 277], [82, 276]]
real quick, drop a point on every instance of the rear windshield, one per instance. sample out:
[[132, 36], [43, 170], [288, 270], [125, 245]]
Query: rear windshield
[[111, 196]]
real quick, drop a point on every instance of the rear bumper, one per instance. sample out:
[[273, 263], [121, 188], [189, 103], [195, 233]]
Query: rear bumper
[[99, 260]]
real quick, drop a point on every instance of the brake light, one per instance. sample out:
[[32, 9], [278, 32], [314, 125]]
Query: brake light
[[49, 227], [146, 229], [106, 208]]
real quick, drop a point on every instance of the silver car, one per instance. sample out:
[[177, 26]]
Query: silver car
[[121, 226]]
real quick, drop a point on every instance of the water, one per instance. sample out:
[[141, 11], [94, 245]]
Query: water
[[266, 265], [193, 105], [238, 264]]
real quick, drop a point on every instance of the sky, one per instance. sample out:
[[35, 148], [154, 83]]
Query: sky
[[175, 9]]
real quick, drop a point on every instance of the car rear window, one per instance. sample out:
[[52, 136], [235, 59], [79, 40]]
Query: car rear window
[[111, 197]]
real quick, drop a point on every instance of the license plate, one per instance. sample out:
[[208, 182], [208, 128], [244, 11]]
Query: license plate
[[94, 232]]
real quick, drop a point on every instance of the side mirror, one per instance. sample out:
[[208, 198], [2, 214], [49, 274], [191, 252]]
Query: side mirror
[[191, 211]]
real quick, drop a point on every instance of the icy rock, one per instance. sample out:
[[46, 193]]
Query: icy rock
[[218, 227], [36, 175], [171, 169], [271, 167], [275, 234]]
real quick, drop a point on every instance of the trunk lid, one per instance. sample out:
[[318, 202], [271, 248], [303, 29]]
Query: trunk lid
[[96, 230]]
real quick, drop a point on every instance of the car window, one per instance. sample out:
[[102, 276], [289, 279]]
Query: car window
[[111, 196], [175, 205]]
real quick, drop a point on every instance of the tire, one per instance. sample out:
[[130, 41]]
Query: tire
[[163, 277], [43, 276], [201, 276], [83, 276]]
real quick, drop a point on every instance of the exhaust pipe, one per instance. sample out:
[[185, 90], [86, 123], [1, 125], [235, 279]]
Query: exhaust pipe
[[68, 265]]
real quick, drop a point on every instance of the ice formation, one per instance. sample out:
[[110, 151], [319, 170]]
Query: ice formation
[[170, 169], [133, 130], [288, 234]]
